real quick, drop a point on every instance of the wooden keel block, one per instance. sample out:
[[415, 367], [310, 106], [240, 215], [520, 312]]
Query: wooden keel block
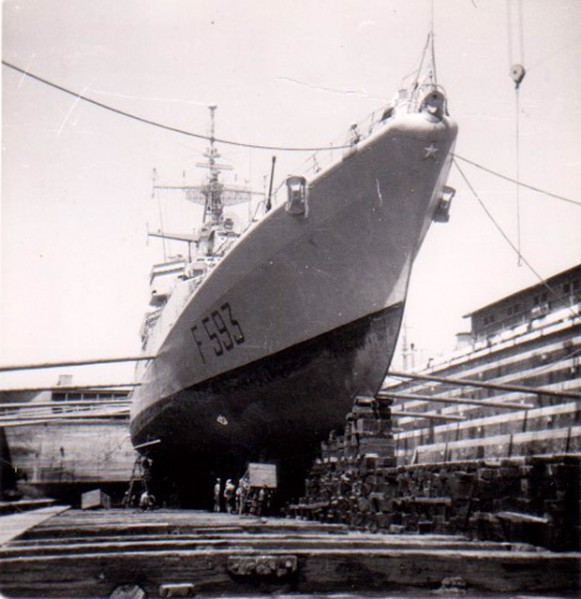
[[262, 566], [177, 589], [128, 591]]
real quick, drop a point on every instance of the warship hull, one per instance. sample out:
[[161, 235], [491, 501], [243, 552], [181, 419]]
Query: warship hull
[[300, 316]]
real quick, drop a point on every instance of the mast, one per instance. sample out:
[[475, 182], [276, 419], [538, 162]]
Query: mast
[[212, 191], [213, 195]]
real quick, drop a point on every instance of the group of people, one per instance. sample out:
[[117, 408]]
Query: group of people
[[145, 500], [241, 498]]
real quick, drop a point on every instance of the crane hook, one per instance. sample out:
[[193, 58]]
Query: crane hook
[[517, 72]]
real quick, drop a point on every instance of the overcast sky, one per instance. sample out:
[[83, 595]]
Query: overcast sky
[[76, 179]]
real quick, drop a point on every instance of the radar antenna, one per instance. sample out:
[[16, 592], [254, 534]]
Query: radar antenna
[[213, 195]]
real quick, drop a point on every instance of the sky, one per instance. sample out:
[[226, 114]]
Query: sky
[[76, 179]]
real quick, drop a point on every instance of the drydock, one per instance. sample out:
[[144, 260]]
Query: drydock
[[120, 553], [412, 497], [265, 383]]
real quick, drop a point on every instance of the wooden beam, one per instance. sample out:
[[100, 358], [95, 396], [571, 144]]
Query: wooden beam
[[28, 405], [471, 402], [78, 419], [71, 388], [147, 444], [427, 415], [497, 386], [15, 367], [44, 414], [70, 415]]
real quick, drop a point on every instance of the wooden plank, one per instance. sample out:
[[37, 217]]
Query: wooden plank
[[486, 385], [112, 387], [518, 517], [534, 419], [13, 525], [427, 415], [255, 542], [152, 549], [127, 522], [85, 418], [27, 405], [502, 441], [334, 570], [455, 400], [42, 365], [22, 505]]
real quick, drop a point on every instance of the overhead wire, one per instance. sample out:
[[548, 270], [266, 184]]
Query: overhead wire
[[509, 33], [419, 71], [496, 224], [517, 182], [517, 72], [517, 146], [265, 147], [146, 121], [553, 54], [521, 31]]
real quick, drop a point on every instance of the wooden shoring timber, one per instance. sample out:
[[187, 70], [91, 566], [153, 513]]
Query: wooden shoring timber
[[328, 568], [473, 402], [485, 385], [84, 409], [427, 415], [87, 421], [147, 444], [73, 388], [9, 421], [15, 367], [28, 405]]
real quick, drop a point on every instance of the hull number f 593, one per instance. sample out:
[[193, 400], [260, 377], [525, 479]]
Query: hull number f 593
[[221, 331]]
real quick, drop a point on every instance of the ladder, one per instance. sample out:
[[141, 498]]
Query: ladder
[[137, 475]]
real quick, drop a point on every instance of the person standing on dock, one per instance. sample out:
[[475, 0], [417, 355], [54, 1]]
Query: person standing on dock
[[242, 495], [238, 502], [262, 492], [217, 489], [146, 501], [229, 495]]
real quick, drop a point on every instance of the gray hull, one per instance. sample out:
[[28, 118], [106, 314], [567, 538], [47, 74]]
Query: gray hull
[[305, 309], [276, 410]]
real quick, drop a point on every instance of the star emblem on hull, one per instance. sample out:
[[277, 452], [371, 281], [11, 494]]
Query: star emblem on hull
[[431, 151]]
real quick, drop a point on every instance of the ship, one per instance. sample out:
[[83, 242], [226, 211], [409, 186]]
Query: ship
[[257, 343]]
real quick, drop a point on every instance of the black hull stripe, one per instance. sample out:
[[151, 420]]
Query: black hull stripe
[[338, 346]]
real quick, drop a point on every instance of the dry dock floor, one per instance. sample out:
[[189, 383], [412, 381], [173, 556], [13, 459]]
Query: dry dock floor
[[74, 553]]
